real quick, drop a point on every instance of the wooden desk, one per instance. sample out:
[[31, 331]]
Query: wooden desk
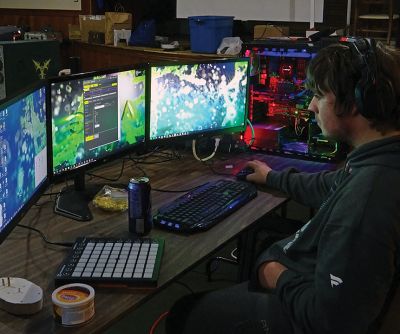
[[24, 254], [98, 56]]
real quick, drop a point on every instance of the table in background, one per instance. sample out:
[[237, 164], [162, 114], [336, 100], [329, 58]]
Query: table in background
[[99, 56]]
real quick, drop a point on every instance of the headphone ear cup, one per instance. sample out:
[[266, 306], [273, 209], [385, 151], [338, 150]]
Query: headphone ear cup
[[365, 90], [365, 93]]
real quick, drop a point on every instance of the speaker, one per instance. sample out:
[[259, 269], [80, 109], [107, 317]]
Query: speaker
[[26, 61], [364, 58]]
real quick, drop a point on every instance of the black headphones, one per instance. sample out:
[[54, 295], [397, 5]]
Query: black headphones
[[364, 58]]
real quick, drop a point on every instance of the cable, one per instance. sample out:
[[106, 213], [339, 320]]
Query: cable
[[109, 179], [157, 322], [253, 135], [217, 140], [233, 255], [217, 260], [64, 244], [158, 154], [214, 171], [185, 286]]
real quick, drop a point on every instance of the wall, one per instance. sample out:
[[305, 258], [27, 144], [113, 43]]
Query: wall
[[42, 4], [334, 16], [36, 19], [272, 10]]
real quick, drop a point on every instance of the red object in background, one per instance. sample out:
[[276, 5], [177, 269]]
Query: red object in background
[[286, 70], [301, 69], [266, 136], [273, 84]]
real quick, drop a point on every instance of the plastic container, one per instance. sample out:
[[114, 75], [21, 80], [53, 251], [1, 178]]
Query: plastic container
[[73, 304], [207, 32]]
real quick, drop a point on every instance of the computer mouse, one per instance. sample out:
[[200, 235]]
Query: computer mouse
[[241, 175]]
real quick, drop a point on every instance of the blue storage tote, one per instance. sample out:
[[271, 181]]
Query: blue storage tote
[[207, 32]]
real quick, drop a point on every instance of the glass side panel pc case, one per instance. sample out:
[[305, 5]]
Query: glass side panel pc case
[[23, 154], [96, 116], [279, 102], [188, 100]]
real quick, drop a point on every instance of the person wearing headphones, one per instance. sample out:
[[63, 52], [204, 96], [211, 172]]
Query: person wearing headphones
[[338, 273]]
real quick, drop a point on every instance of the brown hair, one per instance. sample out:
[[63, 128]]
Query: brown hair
[[336, 68]]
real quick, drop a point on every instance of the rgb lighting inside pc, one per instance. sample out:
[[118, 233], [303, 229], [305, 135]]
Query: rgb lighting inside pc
[[23, 160], [279, 102], [188, 100], [95, 117]]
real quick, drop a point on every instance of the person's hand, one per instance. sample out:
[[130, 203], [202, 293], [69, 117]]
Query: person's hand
[[261, 171], [268, 274]]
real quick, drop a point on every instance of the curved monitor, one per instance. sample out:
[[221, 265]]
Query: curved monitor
[[95, 117], [23, 154], [189, 99]]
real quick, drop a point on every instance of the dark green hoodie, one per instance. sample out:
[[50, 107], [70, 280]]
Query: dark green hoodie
[[343, 262]]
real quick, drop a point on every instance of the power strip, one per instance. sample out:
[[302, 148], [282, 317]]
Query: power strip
[[20, 296]]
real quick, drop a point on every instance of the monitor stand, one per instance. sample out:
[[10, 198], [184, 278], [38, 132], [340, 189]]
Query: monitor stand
[[73, 201]]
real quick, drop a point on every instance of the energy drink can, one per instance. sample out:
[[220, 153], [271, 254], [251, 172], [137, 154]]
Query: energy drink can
[[139, 206]]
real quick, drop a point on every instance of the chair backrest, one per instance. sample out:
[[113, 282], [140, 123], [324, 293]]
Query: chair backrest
[[391, 319], [375, 17]]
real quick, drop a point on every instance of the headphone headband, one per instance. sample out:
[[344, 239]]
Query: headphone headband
[[364, 60]]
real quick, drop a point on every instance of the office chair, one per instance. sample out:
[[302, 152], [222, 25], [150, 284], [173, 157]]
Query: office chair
[[375, 18], [390, 320]]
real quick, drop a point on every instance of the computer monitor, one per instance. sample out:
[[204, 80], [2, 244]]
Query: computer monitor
[[23, 159], [188, 100], [95, 117]]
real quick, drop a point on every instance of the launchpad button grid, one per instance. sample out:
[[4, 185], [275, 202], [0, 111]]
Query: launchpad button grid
[[128, 262]]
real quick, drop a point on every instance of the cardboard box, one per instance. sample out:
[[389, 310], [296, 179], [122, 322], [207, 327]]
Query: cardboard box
[[116, 21], [269, 31], [74, 31], [91, 23]]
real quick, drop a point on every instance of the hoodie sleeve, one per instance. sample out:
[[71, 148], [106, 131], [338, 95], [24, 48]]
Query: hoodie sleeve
[[354, 271], [299, 186]]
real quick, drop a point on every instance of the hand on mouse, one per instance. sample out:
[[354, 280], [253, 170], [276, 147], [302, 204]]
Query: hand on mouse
[[261, 171]]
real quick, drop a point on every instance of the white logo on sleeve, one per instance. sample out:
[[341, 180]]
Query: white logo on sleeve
[[335, 281]]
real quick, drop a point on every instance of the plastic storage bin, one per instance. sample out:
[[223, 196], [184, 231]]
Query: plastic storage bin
[[207, 32]]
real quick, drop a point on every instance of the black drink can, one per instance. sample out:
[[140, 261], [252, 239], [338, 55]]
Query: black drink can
[[139, 206]]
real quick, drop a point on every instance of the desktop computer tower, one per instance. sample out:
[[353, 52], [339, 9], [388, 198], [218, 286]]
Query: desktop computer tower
[[23, 62], [278, 102]]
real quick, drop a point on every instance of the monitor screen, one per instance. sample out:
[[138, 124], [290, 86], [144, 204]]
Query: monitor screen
[[23, 160], [193, 99], [95, 116]]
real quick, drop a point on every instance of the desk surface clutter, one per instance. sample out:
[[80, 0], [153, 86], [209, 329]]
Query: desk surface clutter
[[24, 254]]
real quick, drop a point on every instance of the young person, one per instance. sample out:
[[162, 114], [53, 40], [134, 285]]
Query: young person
[[335, 274]]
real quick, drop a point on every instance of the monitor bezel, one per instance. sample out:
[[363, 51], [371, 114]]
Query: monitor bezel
[[81, 170], [203, 134], [43, 186]]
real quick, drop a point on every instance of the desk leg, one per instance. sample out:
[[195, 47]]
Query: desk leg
[[246, 245]]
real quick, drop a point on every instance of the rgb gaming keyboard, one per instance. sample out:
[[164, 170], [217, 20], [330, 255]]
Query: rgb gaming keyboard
[[112, 262], [204, 206]]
